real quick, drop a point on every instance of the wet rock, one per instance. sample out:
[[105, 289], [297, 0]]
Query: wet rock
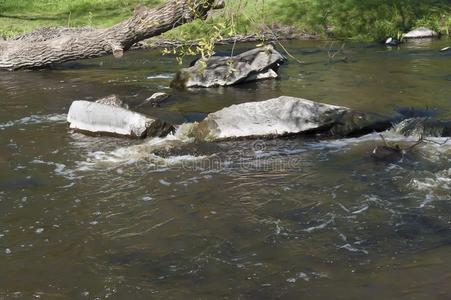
[[354, 123], [155, 100], [392, 42], [103, 119], [446, 49], [423, 127], [279, 116], [419, 33], [287, 116], [113, 100], [256, 64]]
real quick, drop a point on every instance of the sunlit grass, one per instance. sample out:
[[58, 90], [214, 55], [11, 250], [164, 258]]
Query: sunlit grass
[[19, 16], [240, 17]]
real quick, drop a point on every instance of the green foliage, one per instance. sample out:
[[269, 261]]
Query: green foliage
[[360, 19], [364, 19], [239, 17]]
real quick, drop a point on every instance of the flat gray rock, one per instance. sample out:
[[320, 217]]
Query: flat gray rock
[[287, 116], [105, 119], [274, 117]]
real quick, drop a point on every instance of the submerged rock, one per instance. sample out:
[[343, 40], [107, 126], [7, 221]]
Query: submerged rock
[[419, 33], [155, 100], [105, 119], [287, 116], [256, 64], [387, 153], [113, 100], [354, 123], [423, 127]]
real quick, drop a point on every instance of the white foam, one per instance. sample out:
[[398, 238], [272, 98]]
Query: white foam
[[60, 169], [145, 152], [439, 180], [161, 76], [320, 226], [35, 119], [440, 144]]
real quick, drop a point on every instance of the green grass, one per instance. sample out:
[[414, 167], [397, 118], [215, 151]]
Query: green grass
[[21, 16], [359, 19]]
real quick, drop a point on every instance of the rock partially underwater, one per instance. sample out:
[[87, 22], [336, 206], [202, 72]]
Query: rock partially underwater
[[287, 116], [256, 64], [113, 100], [283, 116], [155, 100], [423, 127], [392, 42], [420, 33], [105, 119]]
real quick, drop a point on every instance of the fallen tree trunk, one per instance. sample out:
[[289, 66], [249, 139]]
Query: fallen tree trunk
[[38, 51]]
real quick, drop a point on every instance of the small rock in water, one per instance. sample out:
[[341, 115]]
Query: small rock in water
[[392, 42], [445, 49], [8, 251], [113, 100], [387, 153], [156, 99], [147, 198]]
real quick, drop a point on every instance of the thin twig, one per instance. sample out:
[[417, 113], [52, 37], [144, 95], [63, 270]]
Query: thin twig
[[383, 140]]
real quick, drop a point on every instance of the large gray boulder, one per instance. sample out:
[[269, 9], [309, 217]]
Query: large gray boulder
[[103, 119], [256, 64], [419, 33], [287, 116]]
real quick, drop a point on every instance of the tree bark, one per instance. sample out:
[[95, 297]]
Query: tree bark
[[62, 45]]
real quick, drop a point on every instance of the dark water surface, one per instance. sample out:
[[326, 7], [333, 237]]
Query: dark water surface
[[97, 218]]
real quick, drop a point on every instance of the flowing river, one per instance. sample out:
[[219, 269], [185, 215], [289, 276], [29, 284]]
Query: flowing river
[[95, 218]]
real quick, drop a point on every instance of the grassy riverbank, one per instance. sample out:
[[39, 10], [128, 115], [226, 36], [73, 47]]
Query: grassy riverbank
[[359, 19]]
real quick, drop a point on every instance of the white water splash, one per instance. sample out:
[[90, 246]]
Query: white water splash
[[60, 169], [351, 248], [439, 180], [145, 152], [161, 76], [441, 144], [35, 119], [320, 226]]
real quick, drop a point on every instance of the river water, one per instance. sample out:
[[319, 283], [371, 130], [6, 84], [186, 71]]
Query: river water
[[95, 218]]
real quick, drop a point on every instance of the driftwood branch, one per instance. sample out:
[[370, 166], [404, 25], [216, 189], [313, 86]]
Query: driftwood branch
[[61, 45]]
